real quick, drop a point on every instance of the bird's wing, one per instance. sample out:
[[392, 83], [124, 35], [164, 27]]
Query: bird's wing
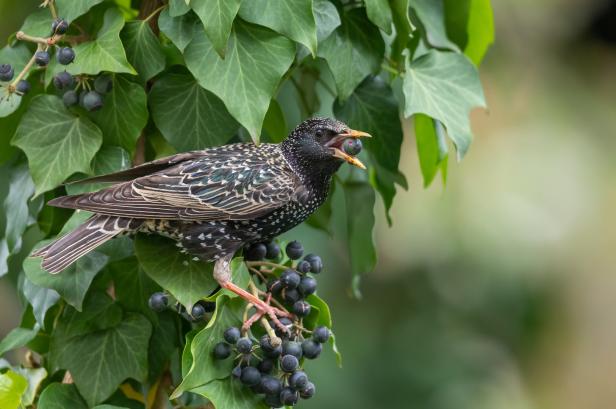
[[234, 182]]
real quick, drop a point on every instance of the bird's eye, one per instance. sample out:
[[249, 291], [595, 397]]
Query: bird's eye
[[319, 134]]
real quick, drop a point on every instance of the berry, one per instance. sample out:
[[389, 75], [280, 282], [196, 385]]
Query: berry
[[6, 72], [294, 250], [237, 371], [63, 80], [290, 279], [273, 401], [284, 321], [311, 349], [208, 305], [271, 385], [65, 55], [292, 296], [292, 348], [222, 350], [301, 308], [92, 101], [267, 347], [303, 267], [289, 397], [70, 98], [316, 264], [273, 250], [321, 334], [308, 391], [274, 286], [197, 312], [158, 302], [266, 366], [103, 84], [244, 345], [23, 87], [232, 335], [256, 252], [250, 376], [298, 380], [41, 58], [351, 146], [59, 26], [307, 286], [289, 363]]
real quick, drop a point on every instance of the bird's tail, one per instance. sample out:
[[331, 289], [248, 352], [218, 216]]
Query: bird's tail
[[92, 233]]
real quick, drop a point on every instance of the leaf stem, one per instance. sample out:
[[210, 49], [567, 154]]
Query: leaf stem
[[12, 86], [391, 70], [266, 263], [152, 14], [52, 8], [25, 37]]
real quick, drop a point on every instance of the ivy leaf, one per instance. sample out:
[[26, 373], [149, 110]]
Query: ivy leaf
[[38, 23], [359, 199], [17, 338], [41, 299], [186, 279], [379, 12], [106, 53], [18, 56], [217, 17], [99, 361], [326, 17], [61, 396], [69, 10], [229, 394], [178, 7], [180, 30], [163, 343], [205, 368], [143, 49], [12, 387], [124, 114], [73, 282], [404, 28], [470, 24], [374, 109], [353, 51], [432, 16], [34, 377], [292, 18], [320, 315], [444, 86], [9, 102], [133, 287], [245, 92], [431, 146], [108, 159], [188, 116], [56, 142]]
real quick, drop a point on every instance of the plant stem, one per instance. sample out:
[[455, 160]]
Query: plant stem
[[13, 85], [25, 37], [266, 263], [152, 14]]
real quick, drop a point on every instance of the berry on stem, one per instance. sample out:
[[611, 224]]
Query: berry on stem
[[250, 376], [303, 267], [321, 334], [222, 350], [298, 380], [273, 401], [352, 146], [289, 363], [292, 348], [290, 279], [311, 349], [292, 296], [197, 312], [301, 308], [307, 286], [271, 385], [6, 72], [158, 302], [59, 26], [316, 264], [244, 345], [273, 250], [103, 84], [266, 366], [23, 87], [288, 396], [232, 335], [70, 98], [294, 250], [255, 252], [92, 101], [65, 55], [308, 391], [41, 58], [63, 80]]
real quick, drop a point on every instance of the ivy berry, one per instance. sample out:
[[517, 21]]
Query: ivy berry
[[41, 58], [232, 335], [70, 98], [316, 264], [158, 301], [65, 55], [321, 334], [6, 72], [256, 252], [222, 350], [294, 250], [92, 101], [289, 363], [59, 26], [63, 80], [352, 146], [103, 84], [244, 345], [22, 87]]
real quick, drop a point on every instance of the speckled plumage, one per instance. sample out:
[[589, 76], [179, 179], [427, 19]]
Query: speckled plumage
[[213, 201]]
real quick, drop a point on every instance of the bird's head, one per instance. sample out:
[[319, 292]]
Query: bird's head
[[315, 145]]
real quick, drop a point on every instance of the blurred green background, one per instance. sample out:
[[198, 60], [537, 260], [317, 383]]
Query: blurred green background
[[498, 291]]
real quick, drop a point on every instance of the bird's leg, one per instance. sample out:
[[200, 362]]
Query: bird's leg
[[222, 274]]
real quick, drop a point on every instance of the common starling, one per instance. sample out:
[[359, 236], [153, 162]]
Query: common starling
[[213, 202]]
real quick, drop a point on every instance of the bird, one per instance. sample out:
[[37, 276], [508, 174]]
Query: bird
[[212, 202]]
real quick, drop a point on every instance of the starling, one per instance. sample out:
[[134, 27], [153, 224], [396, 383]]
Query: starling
[[213, 202]]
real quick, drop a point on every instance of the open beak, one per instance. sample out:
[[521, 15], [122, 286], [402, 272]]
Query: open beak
[[336, 142], [351, 133], [351, 159]]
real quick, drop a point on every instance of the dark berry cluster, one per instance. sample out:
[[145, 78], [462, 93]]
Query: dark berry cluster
[[88, 98], [159, 302], [270, 366]]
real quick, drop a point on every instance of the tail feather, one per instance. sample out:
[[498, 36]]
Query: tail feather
[[92, 233]]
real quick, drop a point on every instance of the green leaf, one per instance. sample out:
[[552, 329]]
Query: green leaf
[[9, 101], [292, 18], [105, 53], [188, 116], [430, 147], [12, 387], [108, 159], [379, 12], [38, 23], [180, 30], [35, 377], [99, 361], [470, 24], [56, 142], [133, 287], [73, 282], [326, 17], [247, 78], [124, 114], [41, 299], [432, 16], [353, 51], [18, 56], [15, 206], [61, 396], [17, 338], [230, 394], [373, 108], [163, 343], [322, 316], [178, 7], [109, 407], [204, 367], [71, 9], [444, 86], [186, 279], [217, 17], [274, 124], [404, 28], [143, 49], [359, 199]]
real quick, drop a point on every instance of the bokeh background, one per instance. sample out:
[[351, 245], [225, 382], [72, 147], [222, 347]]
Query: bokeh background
[[498, 290]]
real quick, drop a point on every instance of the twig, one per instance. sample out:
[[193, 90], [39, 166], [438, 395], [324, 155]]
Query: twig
[[266, 263], [12, 86], [25, 37]]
